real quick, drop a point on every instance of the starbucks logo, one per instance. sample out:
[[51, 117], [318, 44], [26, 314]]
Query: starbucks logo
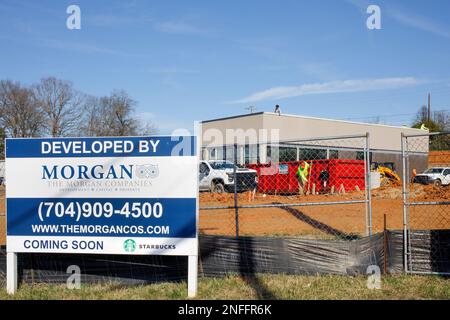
[[129, 245]]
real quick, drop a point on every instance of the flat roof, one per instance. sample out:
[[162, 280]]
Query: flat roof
[[234, 117], [306, 117]]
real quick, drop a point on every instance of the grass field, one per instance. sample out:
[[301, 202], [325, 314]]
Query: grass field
[[261, 287]]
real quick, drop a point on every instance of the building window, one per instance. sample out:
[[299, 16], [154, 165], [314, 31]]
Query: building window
[[287, 154], [281, 154], [229, 153], [212, 154], [312, 154], [251, 153], [333, 154], [272, 154], [204, 153], [360, 155], [219, 153]]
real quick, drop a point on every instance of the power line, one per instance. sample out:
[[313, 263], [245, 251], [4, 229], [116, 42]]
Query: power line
[[393, 115], [387, 116]]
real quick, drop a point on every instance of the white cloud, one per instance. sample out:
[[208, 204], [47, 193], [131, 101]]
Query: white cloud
[[421, 23], [108, 20], [358, 85]]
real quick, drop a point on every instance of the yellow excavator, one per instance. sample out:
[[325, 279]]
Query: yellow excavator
[[388, 177]]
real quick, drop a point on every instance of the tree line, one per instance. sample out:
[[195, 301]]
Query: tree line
[[437, 121], [53, 107]]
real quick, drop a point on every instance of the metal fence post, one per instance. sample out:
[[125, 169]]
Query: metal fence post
[[405, 175], [236, 209], [405, 244], [423, 219], [368, 187]]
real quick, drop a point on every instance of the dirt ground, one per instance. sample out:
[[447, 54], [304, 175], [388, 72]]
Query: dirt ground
[[324, 221], [318, 221]]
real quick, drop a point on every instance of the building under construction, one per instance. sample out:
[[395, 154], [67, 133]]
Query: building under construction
[[260, 135]]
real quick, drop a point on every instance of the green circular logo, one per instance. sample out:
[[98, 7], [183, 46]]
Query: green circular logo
[[129, 245]]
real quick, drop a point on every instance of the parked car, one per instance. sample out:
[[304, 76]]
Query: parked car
[[218, 176], [436, 176]]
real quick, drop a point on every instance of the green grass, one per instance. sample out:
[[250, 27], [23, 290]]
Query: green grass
[[260, 287]]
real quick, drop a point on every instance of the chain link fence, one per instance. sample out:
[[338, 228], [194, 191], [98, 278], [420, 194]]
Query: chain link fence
[[426, 203], [2, 229], [313, 188]]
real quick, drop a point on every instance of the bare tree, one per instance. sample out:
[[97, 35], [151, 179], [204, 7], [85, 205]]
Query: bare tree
[[442, 118], [113, 116], [147, 128], [53, 107], [421, 115], [61, 105], [20, 115], [439, 122], [91, 124], [120, 107]]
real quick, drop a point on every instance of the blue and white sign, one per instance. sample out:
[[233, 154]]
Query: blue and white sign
[[121, 195]]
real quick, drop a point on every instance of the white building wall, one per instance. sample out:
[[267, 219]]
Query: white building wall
[[288, 127]]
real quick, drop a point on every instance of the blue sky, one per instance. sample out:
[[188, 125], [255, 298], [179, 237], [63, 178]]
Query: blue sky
[[195, 60]]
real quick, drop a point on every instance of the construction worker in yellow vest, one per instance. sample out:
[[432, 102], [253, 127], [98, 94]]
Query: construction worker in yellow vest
[[302, 176]]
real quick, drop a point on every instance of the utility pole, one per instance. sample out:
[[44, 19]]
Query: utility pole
[[429, 107]]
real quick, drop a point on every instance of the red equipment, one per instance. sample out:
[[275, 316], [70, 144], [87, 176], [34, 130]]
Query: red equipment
[[282, 178]]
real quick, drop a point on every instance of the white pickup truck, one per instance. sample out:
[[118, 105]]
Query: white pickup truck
[[218, 176], [438, 176]]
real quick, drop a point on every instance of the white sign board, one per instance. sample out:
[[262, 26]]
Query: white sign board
[[120, 195]]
